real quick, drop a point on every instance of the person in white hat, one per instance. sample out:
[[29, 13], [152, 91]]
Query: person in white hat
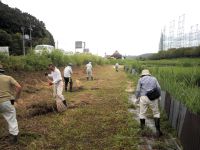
[[89, 71], [7, 100], [145, 84]]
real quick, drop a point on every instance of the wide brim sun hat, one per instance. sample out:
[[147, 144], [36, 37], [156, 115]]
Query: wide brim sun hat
[[145, 72]]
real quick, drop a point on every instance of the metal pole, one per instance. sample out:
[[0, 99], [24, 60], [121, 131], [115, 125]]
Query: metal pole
[[23, 42], [84, 45], [30, 28]]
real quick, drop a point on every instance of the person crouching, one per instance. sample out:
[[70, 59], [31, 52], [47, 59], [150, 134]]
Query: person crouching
[[57, 84], [145, 84]]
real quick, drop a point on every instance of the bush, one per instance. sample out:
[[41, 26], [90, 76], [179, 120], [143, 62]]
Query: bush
[[177, 53], [36, 62]]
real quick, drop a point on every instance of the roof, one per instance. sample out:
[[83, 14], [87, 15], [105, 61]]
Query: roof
[[116, 54]]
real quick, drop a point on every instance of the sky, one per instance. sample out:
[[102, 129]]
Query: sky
[[132, 27]]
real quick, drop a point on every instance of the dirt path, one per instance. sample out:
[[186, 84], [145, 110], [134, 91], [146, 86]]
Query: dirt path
[[96, 119]]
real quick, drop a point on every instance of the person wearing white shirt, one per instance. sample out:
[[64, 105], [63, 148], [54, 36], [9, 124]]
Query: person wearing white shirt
[[67, 76], [116, 67], [89, 71], [57, 83]]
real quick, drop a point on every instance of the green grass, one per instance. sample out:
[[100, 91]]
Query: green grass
[[180, 77]]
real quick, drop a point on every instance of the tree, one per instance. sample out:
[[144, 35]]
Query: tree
[[5, 38], [11, 21]]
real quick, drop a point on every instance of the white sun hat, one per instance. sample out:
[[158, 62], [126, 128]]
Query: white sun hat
[[145, 72]]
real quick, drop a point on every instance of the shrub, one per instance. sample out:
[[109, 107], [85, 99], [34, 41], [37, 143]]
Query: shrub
[[36, 62]]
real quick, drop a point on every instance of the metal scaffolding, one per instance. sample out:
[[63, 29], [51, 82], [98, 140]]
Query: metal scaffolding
[[181, 39]]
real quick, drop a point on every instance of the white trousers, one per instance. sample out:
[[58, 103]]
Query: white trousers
[[89, 73], [58, 90], [144, 103], [9, 113]]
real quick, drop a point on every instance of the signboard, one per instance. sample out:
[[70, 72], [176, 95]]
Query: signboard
[[78, 44]]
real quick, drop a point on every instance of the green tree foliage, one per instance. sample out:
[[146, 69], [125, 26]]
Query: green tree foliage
[[177, 53], [11, 21], [5, 38]]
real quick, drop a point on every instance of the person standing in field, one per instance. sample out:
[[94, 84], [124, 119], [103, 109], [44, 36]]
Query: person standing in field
[[117, 67], [7, 100], [67, 76], [145, 84], [89, 71], [57, 83]]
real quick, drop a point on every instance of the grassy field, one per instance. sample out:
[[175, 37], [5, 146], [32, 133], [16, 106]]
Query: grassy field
[[180, 77], [97, 117]]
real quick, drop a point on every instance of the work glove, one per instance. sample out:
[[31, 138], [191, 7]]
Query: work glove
[[46, 74], [50, 83]]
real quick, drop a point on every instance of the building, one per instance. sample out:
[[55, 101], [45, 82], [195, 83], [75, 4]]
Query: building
[[116, 55]]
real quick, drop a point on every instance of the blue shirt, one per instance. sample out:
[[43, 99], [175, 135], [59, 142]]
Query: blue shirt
[[145, 84]]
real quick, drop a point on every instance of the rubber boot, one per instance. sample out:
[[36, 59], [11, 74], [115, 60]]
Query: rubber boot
[[87, 78], [71, 84], [142, 123], [157, 124], [13, 139]]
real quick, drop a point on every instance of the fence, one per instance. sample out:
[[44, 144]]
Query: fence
[[183, 120]]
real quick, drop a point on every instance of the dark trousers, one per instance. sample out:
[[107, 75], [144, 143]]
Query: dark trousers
[[68, 80]]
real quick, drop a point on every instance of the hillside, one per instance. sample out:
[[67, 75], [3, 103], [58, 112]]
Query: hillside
[[11, 22]]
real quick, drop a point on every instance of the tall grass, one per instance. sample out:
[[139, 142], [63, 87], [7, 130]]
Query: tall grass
[[180, 77], [181, 83], [35, 62]]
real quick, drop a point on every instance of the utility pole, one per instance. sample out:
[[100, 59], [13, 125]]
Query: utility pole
[[57, 44], [23, 42], [30, 28], [84, 45]]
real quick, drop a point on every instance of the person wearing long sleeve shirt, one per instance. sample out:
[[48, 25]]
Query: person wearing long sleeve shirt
[[89, 71], [147, 83], [57, 83], [67, 76]]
